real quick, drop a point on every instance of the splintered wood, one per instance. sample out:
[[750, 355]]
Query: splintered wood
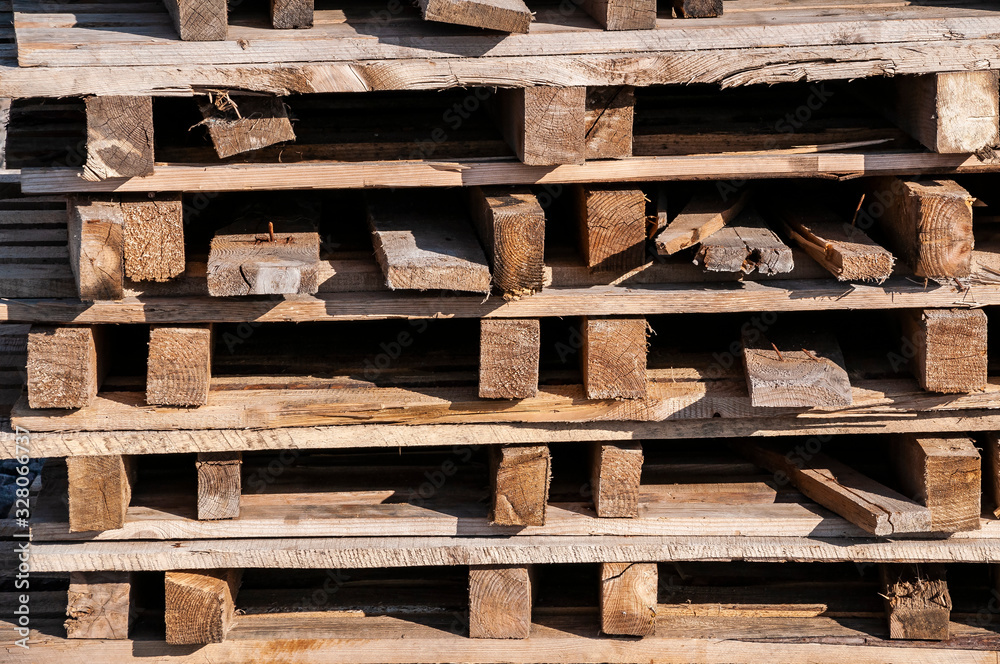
[[745, 245], [65, 366], [500, 598], [508, 358], [942, 473], [219, 484], [243, 123], [119, 137], [99, 605], [503, 15], [200, 605], [521, 475], [795, 370], [545, 125], [179, 371], [511, 227], [950, 113], [246, 258], [628, 598], [614, 358], [917, 601], [615, 473], [100, 489], [707, 213], [946, 348]]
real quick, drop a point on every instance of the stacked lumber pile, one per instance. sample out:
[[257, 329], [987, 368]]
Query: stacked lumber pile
[[589, 332]]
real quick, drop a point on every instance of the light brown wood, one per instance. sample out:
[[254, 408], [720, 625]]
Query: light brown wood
[[613, 358], [289, 14], [96, 247], [945, 349], [243, 123], [612, 222], [99, 605], [100, 489], [622, 14], [243, 259], [616, 469], [795, 369], [628, 598], [698, 8], [119, 137], [199, 20], [511, 228], [950, 113], [991, 487], [219, 484], [179, 370], [152, 237], [502, 15], [65, 365], [745, 245], [508, 358], [544, 125], [917, 601], [200, 605], [521, 475], [707, 213], [609, 118], [944, 474], [500, 598]]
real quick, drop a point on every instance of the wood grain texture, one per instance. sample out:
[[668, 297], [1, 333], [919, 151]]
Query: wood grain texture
[[152, 237], [917, 602], [616, 469], [65, 366], [614, 358], [745, 245], [292, 14], [100, 489], [502, 15], [698, 8], [96, 247], [628, 598], [200, 605], [119, 137], [4, 121], [944, 474], [707, 213], [950, 113], [509, 352], [795, 370], [520, 483], [544, 125], [612, 223], [179, 370], [99, 605], [608, 120], [245, 123], [948, 348], [500, 599], [199, 20], [244, 261], [991, 470], [219, 484], [511, 228], [622, 14]]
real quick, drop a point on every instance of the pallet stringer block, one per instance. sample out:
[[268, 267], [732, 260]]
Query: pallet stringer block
[[511, 228], [950, 113], [628, 598], [614, 358], [179, 370], [99, 605], [500, 599], [503, 15], [65, 365], [608, 121], [917, 602], [622, 14], [200, 605], [945, 349], [520, 482], [100, 489], [942, 472], [199, 20], [96, 247], [616, 469], [509, 351], [612, 223], [119, 137], [698, 8], [544, 125], [292, 14], [219, 484]]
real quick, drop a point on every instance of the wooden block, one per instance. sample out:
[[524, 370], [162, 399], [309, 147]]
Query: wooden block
[[179, 371], [119, 137], [4, 121], [199, 20], [99, 605], [706, 214], [100, 489], [949, 347], [622, 14], [795, 370], [745, 245], [65, 365], [861, 500], [291, 14], [96, 247], [612, 223], [219, 484], [521, 475], [991, 487], [244, 261], [152, 237], [608, 121], [944, 474], [928, 224], [614, 358], [500, 598], [698, 8], [508, 358], [243, 123], [502, 15], [511, 227], [200, 606], [628, 598], [917, 601], [423, 245], [615, 474], [950, 113], [544, 125]]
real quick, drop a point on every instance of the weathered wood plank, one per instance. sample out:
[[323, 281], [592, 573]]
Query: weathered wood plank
[[65, 365], [199, 20], [608, 120], [509, 353], [622, 14], [500, 599], [795, 370], [707, 213], [521, 475], [917, 601], [292, 14], [628, 598], [947, 348], [502, 15], [152, 237], [246, 258], [944, 474], [950, 113], [119, 137], [219, 484], [243, 123], [545, 125], [511, 227], [745, 245], [100, 489], [99, 605], [616, 469], [96, 247], [200, 605], [614, 358], [612, 222], [179, 370]]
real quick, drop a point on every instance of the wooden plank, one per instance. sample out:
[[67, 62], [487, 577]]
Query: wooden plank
[[291, 14], [928, 223], [942, 473], [950, 113], [698, 8], [612, 222], [4, 121], [509, 353], [707, 213], [245, 259], [179, 370], [544, 125], [200, 605], [421, 246], [616, 469], [99, 605], [917, 601], [609, 118], [521, 475], [199, 20], [219, 484], [614, 358], [100, 489], [96, 247], [859, 499], [628, 598], [152, 237], [795, 370], [511, 227], [502, 15], [747, 244], [119, 137], [65, 366], [991, 487], [243, 123], [622, 14], [948, 348], [500, 598]]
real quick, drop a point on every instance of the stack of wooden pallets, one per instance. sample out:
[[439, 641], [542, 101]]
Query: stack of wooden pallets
[[486, 331]]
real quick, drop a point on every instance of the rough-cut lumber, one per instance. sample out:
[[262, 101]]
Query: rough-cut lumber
[[698, 8], [859, 499], [288, 14], [787, 370], [608, 121], [179, 370], [946, 348], [508, 358], [500, 598], [244, 260], [944, 474], [99, 605], [219, 484], [950, 113], [100, 489], [520, 475], [96, 247], [511, 227], [200, 605], [152, 236], [614, 358], [616, 469], [917, 601], [119, 137], [199, 20], [628, 598], [243, 123], [502, 15], [422, 246], [544, 125], [707, 213], [928, 224], [612, 222], [745, 245], [622, 14], [65, 366]]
